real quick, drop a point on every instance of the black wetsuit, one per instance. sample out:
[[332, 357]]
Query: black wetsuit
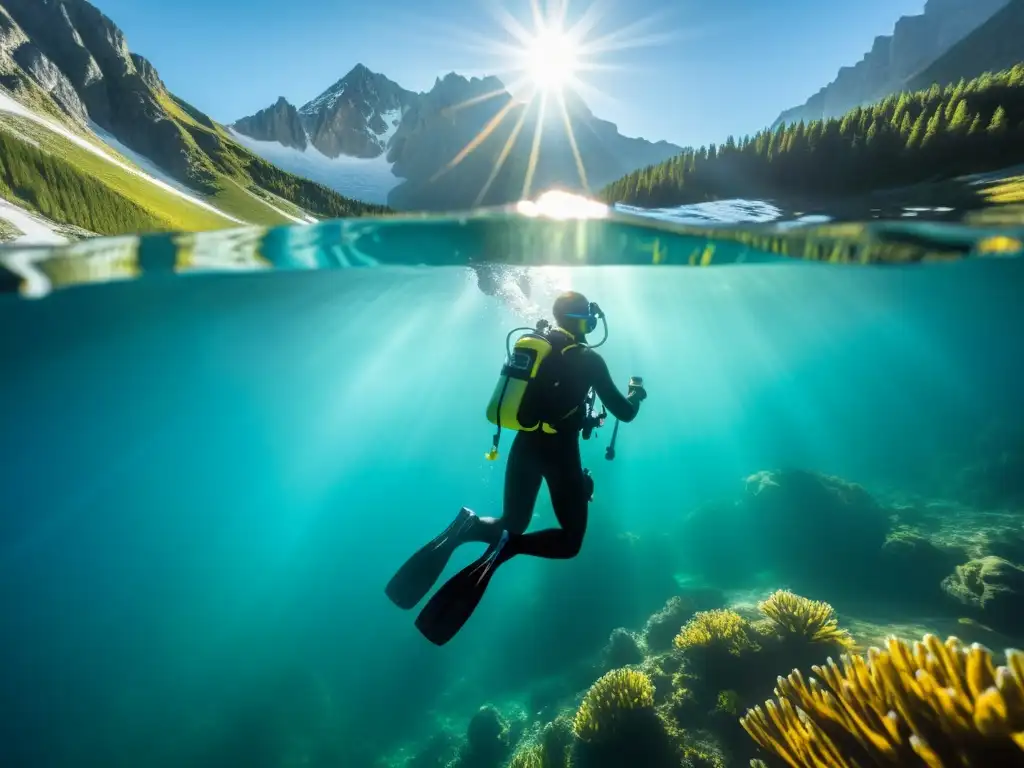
[[559, 400], [555, 458]]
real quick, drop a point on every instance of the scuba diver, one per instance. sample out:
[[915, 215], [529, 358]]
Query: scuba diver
[[546, 394]]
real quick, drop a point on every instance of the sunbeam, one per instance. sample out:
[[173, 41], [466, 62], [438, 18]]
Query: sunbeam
[[509, 143], [535, 149], [544, 56]]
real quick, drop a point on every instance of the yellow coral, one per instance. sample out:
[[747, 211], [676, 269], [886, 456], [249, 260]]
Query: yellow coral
[[932, 704], [725, 629], [609, 699], [811, 619]]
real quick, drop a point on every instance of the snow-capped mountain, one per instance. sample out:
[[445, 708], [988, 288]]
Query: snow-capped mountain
[[71, 88], [368, 137], [339, 139], [357, 115]]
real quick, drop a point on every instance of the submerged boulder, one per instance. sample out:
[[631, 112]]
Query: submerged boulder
[[814, 528], [623, 649], [919, 563], [993, 588]]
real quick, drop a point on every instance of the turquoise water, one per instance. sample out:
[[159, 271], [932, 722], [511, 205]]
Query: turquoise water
[[209, 477]]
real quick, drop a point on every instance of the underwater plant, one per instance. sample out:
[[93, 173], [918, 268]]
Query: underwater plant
[[728, 702], [531, 756], [550, 749], [661, 628], [661, 670], [617, 725], [610, 700], [930, 704], [799, 617], [722, 629]]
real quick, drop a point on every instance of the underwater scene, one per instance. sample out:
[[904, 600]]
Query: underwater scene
[[512, 384], [221, 450]]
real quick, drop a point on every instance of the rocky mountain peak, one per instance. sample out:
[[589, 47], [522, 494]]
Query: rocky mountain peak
[[280, 123]]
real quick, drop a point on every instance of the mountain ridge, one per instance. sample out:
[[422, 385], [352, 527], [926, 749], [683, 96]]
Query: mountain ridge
[[423, 137], [67, 61], [993, 46], [915, 43]]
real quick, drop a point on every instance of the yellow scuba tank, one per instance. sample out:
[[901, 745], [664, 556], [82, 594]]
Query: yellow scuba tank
[[517, 375]]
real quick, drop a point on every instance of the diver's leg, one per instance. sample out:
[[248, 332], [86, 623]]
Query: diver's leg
[[523, 476], [450, 608], [570, 490]]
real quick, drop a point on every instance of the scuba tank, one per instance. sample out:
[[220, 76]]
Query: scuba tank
[[523, 362]]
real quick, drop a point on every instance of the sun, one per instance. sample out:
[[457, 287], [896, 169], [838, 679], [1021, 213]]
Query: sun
[[551, 59]]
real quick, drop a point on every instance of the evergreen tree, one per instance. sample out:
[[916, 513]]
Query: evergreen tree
[[999, 122], [917, 132], [960, 120], [901, 140]]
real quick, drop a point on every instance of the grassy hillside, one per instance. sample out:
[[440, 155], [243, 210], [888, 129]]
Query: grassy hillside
[[230, 178], [905, 139], [59, 191], [161, 209], [995, 45], [239, 182]]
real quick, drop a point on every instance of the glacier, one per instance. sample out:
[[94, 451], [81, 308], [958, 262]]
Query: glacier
[[366, 179]]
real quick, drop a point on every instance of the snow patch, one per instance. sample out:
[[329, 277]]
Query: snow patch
[[144, 163], [391, 119], [36, 230], [324, 101], [8, 104], [365, 179]]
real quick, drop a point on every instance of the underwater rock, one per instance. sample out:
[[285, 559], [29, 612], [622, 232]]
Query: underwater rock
[[993, 588], [661, 671], [487, 740], [556, 739], [622, 650], [917, 564], [815, 530], [664, 625]]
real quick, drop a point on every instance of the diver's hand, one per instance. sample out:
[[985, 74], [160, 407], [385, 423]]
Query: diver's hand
[[636, 389]]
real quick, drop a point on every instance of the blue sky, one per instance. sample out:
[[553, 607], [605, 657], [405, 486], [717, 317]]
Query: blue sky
[[703, 69]]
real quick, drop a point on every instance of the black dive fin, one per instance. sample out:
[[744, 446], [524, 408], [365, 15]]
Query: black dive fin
[[450, 608], [420, 572]]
